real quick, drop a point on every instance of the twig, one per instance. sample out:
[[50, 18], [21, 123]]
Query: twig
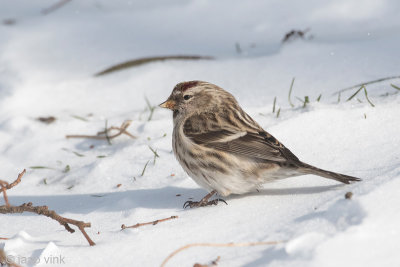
[[290, 92], [119, 129], [247, 244], [44, 210], [4, 238], [54, 7], [40, 210], [6, 261], [141, 61], [147, 223], [366, 83], [3, 257], [104, 135], [6, 186]]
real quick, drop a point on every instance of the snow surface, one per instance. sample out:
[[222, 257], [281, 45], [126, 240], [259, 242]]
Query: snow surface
[[46, 69]]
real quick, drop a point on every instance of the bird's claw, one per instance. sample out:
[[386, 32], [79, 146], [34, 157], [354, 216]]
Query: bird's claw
[[201, 203]]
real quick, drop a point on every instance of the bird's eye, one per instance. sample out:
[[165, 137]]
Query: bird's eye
[[187, 97]]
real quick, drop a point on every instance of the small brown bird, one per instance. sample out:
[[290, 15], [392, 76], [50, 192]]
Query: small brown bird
[[223, 149]]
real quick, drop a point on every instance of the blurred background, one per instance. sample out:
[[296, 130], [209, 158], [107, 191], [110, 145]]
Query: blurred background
[[53, 46]]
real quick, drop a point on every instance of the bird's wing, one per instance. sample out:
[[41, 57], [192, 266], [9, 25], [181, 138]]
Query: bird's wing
[[257, 145]]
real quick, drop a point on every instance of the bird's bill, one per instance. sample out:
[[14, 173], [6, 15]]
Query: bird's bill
[[170, 104]]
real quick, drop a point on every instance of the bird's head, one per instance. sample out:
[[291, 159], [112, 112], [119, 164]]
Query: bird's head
[[192, 97]]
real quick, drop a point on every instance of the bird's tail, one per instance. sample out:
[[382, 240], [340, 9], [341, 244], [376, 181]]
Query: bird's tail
[[308, 169]]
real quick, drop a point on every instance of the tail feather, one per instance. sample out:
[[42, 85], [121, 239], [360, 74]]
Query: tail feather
[[346, 179]]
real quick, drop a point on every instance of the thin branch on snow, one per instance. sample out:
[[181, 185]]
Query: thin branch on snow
[[4, 238], [6, 186], [104, 135], [148, 223], [3, 257], [44, 210], [40, 210], [247, 244], [6, 261]]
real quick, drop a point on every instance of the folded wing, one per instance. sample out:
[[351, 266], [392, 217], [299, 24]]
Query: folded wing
[[256, 145]]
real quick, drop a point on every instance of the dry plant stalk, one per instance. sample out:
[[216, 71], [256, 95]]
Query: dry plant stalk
[[40, 210], [147, 223], [104, 135], [54, 7], [246, 244], [366, 83], [146, 60]]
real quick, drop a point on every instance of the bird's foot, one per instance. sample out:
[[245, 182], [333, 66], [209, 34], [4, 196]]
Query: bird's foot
[[204, 201], [201, 203]]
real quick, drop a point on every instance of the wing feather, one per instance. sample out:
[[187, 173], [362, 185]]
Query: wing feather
[[260, 146]]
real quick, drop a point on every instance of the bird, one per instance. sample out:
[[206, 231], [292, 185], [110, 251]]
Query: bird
[[223, 149]]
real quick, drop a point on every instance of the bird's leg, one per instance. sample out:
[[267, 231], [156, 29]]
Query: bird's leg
[[204, 201]]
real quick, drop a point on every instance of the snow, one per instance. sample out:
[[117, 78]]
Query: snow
[[46, 69]]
